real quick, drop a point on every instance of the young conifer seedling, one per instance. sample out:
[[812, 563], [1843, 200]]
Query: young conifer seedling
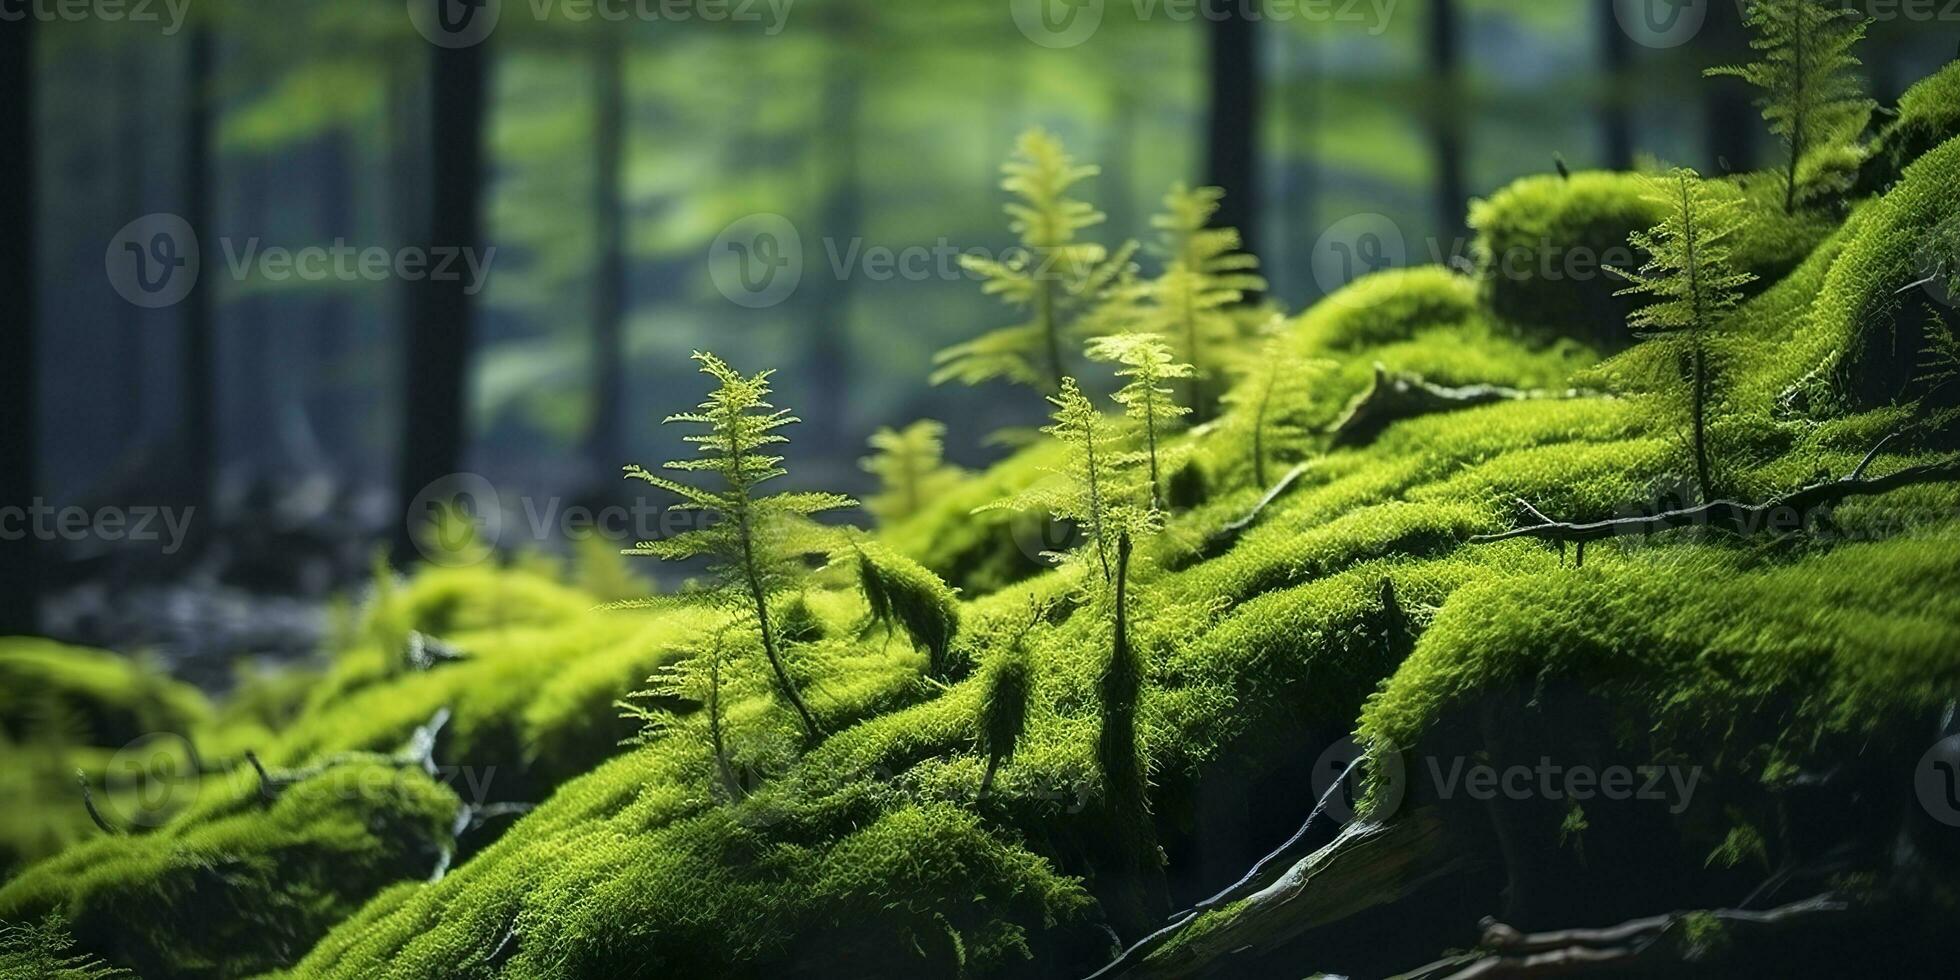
[[1695, 285], [1272, 398], [1812, 95], [1102, 494], [1053, 276], [756, 543], [910, 466], [1146, 360], [1205, 274]]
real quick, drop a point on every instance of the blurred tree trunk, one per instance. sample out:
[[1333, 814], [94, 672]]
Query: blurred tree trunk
[[329, 412], [1233, 144], [19, 458], [1615, 117], [1446, 122], [604, 446], [131, 421], [1731, 121], [198, 426], [1298, 182], [435, 370]]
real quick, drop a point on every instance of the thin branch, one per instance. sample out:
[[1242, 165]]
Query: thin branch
[[1740, 517], [88, 800]]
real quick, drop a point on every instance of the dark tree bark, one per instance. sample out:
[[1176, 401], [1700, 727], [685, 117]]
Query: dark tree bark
[[131, 420], [436, 358], [1615, 118], [1731, 122], [19, 455], [1446, 121], [1233, 124], [198, 427], [604, 443]]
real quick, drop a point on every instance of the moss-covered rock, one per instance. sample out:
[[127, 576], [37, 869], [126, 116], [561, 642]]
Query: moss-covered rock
[[1928, 114], [236, 886], [1544, 245]]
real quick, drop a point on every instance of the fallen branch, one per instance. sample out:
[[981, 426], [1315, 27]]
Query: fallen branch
[[1223, 538], [1396, 397], [1367, 865], [1655, 938], [88, 801], [1783, 513]]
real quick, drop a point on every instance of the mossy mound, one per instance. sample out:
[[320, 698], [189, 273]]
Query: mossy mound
[[64, 708], [1928, 114], [89, 697], [1544, 244], [234, 885]]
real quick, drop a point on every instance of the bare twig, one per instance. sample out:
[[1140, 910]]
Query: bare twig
[[1786, 512], [1568, 951], [88, 800]]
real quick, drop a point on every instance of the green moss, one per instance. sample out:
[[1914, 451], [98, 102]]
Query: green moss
[[89, 697], [1873, 325], [1386, 307], [1855, 640], [1928, 115], [1542, 245], [233, 887]]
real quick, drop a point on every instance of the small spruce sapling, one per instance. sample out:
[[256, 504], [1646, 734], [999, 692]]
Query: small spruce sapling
[[1695, 285], [1205, 274], [911, 469], [1273, 398], [1812, 95], [756, 543], [1146, 361], [1104, 497], [1053, 275], [1095, 481], [706, 679]]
